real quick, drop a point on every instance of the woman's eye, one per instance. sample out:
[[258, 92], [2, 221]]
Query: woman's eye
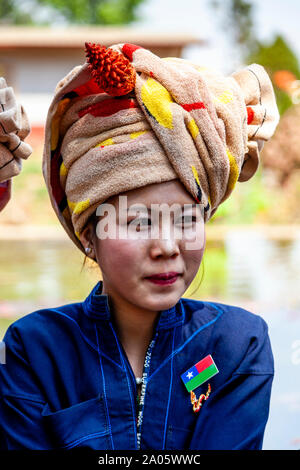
[[142, 221], [145, 221], [188, 219]]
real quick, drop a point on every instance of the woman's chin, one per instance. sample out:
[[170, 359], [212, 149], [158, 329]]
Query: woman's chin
[[161, 301]]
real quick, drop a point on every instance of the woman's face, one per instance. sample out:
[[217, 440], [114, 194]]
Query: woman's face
[[127, 262]]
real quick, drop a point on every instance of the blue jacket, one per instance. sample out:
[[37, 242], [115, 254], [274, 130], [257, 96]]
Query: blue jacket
[[67, 381]]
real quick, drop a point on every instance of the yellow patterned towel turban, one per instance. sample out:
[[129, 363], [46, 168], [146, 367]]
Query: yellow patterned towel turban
[[127, 118]]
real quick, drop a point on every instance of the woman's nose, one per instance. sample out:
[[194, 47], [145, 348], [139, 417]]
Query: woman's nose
[[164, 246]]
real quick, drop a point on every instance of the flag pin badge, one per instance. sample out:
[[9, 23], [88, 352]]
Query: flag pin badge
[[199, 373]]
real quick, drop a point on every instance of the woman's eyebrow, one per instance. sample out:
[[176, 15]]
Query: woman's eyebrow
[[142, 206], [138, 207]]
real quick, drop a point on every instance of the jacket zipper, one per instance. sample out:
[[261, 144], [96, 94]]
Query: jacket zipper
[[139, 404], [141, 401]]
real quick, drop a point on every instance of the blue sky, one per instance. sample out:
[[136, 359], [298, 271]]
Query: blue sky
[[195, 16]]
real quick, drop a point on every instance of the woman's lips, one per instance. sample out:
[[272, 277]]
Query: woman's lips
[[164, 279]]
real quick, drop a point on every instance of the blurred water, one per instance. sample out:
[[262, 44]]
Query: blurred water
[[266, 271], [41, 273], [247, 269], [264, 275]]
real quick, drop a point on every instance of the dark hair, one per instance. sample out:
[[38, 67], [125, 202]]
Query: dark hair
[[203, 269]]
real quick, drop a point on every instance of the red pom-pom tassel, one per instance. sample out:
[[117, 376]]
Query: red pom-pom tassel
[[111, 70]]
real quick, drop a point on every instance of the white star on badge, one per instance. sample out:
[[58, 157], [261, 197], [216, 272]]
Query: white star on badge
[[189, 375]]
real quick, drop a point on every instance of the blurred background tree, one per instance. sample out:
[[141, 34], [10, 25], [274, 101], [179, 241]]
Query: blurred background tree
[[281, 64], [273, 195], [89, 12], [11, 14], [236, 18]]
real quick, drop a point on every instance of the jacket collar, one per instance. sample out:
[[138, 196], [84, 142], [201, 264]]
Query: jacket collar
[[96, 306]]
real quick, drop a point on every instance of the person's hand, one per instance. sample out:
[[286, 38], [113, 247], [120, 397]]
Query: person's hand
[[5, 193], [14, 128]]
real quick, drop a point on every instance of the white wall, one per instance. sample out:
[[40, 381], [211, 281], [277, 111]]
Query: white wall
[[34, 76]]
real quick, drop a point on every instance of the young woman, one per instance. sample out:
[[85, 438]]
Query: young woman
[[139, 153]]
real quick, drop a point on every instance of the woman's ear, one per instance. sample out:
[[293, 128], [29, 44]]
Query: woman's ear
[[86, 238]]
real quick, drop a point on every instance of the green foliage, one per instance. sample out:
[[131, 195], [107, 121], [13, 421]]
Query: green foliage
[[4, 324], [237, 20], [73, 11], [283, 100], [10, 13], [215, 279], [277, 56], [118, 11], [212, 277], [249, 203]]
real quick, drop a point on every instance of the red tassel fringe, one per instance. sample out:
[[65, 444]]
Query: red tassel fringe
[[111, 70]]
